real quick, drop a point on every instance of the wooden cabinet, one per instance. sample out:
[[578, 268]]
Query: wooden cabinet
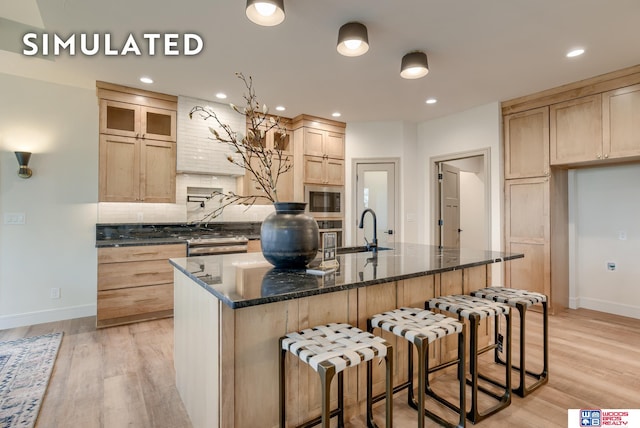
[[137, 145], [536, 225], [253, 246], [323, 170], [136, 170], [323, 157], [621, 122], [274, 139], [138, 121], [321, 145], [526, 144], [576, 131], [135, 283]]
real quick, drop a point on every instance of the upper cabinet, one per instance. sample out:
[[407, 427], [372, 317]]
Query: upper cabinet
[[274, 139], [576, 131], [138, 121], [137, 145], [526, 144], [322, 144], [621, 122]]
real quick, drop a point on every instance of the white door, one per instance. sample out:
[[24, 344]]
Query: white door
[[375, 189], [450, 206]]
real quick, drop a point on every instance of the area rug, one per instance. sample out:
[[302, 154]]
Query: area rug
[[25, 369]]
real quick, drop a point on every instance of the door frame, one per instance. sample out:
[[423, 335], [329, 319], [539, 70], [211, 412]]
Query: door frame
[[354, 192], [435, 193]]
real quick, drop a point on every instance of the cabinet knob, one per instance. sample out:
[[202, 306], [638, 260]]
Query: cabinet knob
[[606, 156], [598, 155]]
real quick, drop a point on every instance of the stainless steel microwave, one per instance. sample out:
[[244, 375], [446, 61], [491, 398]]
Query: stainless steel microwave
[[324, 201]]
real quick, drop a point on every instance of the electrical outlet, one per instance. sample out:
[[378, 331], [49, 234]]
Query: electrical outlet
[[622, 235], [54, 293], [611, 266], [15, 218]]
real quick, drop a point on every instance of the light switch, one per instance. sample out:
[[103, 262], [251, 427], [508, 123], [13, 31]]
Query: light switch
[[622, 235], [15, 218]]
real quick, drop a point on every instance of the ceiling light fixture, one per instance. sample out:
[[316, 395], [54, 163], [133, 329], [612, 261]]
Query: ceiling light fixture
[[575, 52], [265, 12], [431, 101], [221, 95], [414, 65], [336, 114], [353, 39], [147, 80], [280, 108]]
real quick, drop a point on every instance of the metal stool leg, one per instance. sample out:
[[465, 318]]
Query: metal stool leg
[[326, 375], [283, 395]]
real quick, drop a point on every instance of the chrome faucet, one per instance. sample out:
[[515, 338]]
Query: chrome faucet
[[372, 246]]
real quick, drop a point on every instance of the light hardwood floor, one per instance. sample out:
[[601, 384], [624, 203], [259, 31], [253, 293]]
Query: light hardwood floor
[[124, 377]]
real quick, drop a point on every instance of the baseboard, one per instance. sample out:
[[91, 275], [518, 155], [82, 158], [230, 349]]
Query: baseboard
[[608, 307], [49, 315]]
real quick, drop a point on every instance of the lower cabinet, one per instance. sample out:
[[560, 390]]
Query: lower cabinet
[[135, 283]]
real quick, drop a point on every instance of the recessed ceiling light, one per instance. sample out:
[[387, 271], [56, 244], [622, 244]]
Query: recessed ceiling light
[[336, 114], [145, 79], [431, 101], [221, 95], [280, 108], [575, 52]]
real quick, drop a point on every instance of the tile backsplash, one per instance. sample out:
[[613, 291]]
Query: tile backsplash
[[182, 211]]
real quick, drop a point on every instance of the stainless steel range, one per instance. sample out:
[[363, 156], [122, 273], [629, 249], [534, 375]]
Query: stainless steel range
[[203, 244]]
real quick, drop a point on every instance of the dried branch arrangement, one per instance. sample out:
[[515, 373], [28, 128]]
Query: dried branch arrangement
[[263, 165]]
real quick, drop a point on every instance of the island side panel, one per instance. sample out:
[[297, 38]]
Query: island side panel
[[196, 355], [257, 330]]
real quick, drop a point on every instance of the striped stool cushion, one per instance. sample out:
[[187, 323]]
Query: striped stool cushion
[[465, 306], [510, 296], [340, 345], [411, 323]]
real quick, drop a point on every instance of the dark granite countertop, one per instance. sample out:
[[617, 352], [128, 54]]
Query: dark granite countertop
[[243, 280], [134, 234]]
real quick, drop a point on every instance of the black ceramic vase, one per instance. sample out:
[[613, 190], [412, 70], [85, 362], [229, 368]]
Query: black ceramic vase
[[289, 237]]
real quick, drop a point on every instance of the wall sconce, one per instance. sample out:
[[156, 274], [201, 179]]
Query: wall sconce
[[23, 160], [414, 65], [265, 12], [353, 39]]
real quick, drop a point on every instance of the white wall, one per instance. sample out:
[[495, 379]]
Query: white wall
[[605, 205], [470, 130], [56, 246], [381, 140]]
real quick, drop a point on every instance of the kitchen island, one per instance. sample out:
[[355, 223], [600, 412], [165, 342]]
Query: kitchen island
[[230, 311]]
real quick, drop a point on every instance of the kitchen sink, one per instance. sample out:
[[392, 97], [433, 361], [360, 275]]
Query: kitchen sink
[[360, 249]]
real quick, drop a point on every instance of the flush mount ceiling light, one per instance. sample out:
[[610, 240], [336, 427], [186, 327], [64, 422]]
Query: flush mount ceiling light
[[414, 65], [575, 52], [265, 12], [353, 39], [221, 95], [146, 79]]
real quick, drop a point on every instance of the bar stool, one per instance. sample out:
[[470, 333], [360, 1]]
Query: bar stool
[[329, 349], [475, 309], [420, 328], [522, 300]]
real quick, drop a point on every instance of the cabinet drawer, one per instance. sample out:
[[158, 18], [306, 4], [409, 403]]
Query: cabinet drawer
[[134, 274], [142, 252], [139, 302]]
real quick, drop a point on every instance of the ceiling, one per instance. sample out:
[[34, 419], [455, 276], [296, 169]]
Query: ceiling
[[479, 51]]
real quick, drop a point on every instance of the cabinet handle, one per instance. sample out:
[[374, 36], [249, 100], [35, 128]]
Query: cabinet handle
[[143, 135], [606, 156]]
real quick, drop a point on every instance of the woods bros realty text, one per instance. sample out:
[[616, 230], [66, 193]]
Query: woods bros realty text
[[151, 44]]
